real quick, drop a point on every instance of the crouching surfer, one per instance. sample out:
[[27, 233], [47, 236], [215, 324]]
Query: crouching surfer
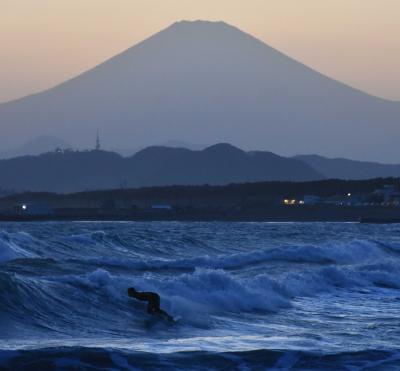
[[153, 299]]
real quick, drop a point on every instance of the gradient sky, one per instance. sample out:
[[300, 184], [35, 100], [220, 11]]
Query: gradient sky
[[44, 42]]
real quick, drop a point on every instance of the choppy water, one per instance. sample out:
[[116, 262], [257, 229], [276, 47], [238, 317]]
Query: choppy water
[[249, 295]]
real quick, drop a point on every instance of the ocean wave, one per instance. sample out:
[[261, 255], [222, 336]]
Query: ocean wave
[[104, 249], [62, 358], [355, 252], [214, 291], [202, 291], [60, 299], [328, 288], [98, 302], [83, 290], [10, 248]]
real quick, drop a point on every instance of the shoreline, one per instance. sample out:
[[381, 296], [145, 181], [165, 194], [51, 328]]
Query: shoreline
[[364, 214]]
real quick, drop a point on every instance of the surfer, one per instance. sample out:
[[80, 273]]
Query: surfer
[[153, 299]]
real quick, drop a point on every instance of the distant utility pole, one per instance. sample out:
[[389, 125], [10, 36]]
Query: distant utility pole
[[98, 141]]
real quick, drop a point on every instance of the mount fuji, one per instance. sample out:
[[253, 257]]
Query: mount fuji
[[207, 82]]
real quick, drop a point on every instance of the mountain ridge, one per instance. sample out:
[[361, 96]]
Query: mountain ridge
[[71, 171], [218, 164], [342, 168]]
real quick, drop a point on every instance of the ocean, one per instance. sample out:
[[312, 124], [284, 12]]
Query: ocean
[[246, 296]]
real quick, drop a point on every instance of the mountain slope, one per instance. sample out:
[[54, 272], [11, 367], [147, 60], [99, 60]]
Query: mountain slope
[[340, 168], [203, 82], [77, 171]]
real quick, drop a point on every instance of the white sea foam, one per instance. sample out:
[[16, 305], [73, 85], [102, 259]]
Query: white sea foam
[[95, 279], [214, 291], [10, 250]]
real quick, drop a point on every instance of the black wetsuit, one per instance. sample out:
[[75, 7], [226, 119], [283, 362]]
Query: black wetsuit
[[154, 303], [151, 297]]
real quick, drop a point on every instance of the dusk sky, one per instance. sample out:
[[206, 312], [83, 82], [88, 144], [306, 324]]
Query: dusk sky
[[44, 42]]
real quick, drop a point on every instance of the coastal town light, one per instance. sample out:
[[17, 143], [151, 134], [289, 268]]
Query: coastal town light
[[24, 207]]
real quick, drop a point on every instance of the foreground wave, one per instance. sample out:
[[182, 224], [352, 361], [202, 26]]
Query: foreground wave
[[101, 359]]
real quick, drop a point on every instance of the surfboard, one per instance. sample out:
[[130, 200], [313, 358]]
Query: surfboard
[[160, 319]]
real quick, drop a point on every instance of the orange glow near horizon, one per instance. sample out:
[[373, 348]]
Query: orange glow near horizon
[[44, 42]]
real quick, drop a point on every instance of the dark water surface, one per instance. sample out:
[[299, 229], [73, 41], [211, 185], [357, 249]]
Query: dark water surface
[[247, 295]]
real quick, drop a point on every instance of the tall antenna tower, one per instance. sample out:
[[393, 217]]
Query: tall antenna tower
[[98, 141]]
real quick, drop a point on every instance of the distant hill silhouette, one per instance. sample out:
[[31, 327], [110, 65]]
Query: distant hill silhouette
[[219, 164], [36, 146], [206, 82], [340, 168]]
